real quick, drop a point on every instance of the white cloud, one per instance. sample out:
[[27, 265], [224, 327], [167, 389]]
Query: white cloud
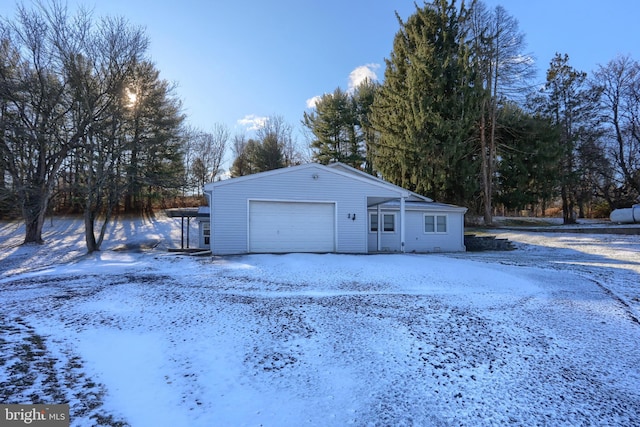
[[360, 74], [356, 77], [311, 102], [252, 122]]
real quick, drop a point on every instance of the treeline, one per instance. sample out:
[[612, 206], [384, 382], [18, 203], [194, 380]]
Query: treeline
[[87, 125], [460, 118]]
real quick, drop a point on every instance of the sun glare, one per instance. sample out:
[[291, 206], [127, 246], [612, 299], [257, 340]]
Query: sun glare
[[132, 97]]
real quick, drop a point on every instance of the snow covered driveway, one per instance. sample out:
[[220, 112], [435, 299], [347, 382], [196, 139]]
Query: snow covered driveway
[[546, 335]]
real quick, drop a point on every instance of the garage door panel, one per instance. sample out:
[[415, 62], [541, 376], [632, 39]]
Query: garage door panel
[[291, 227]]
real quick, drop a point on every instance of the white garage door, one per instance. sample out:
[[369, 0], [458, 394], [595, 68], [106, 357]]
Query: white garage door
[[291, 227]]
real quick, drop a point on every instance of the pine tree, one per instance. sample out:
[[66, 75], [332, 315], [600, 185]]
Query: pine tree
[[274, 148], [152, 131], [363, 97], [528, 156], [427, 107], [334, 125], [245, 161], [570, 106]]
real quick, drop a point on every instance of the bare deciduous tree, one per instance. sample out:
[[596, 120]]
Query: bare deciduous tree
[[506, 72], [111, 51], [64, 75], [209, 152], [244, 156], [35, 139], [275, 129], [619, 85]]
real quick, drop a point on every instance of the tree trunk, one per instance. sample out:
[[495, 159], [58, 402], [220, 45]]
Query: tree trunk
[[34, 207], [567, 206], [89, 236], [33, 225], [485, 168], [103, 229], [493, 155]]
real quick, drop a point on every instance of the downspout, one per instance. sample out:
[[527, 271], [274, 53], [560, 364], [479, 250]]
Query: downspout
[[209, 196]]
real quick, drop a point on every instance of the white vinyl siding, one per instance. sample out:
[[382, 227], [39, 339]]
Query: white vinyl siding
[[353, 198], [306, 183], [417, 240]]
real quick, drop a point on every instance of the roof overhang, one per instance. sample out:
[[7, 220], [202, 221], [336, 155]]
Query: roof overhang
[[339, 169], [422, 206], [201, 212]]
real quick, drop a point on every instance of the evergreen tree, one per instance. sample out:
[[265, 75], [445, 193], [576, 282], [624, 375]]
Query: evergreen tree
[[428, 105], [245, 161], [363, 98], [528, 156], [273, 149], [152, 131], [268, 154], [334, 126], [570, 106]]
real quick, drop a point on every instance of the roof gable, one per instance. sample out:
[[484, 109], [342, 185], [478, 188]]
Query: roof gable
[[337, 168], [344, 171], [258, 175]]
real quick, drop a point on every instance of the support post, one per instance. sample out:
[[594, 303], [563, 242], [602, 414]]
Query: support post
[[380, 223], [182, 233], [188, 228], [402, 227]]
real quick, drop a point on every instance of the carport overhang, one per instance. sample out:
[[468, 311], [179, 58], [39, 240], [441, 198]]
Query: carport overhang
[[375, 201], [183, 213]]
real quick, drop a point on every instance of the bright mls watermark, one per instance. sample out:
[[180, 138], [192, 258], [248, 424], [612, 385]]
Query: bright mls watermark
[[34, 415]]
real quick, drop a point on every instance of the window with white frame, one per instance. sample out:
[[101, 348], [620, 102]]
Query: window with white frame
[[435, 223], [388, 223]]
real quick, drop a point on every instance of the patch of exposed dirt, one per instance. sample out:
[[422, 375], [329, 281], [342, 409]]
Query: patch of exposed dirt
[[32, 372]]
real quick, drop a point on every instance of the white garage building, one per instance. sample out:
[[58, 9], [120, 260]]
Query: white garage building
[[335, 208]]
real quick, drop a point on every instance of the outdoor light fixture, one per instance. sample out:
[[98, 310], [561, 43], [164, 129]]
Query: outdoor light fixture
[[314, 176]]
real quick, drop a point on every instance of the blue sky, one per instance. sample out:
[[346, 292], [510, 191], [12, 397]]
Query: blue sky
[[236, 61]]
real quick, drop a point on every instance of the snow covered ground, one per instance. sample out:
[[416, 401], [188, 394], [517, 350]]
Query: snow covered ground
[[133, 335]]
